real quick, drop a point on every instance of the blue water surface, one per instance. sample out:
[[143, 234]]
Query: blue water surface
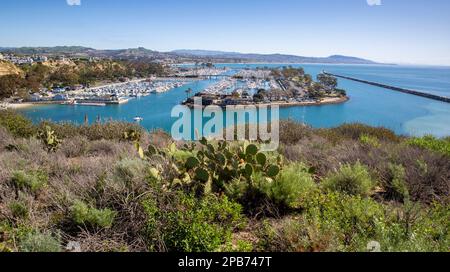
[[405, 114]]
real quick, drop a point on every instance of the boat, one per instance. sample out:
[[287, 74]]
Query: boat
[[70, 103], [92, 104], [138, 119]]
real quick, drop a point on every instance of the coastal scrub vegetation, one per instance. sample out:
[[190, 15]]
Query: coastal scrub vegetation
[[116, 187], [69, 73]]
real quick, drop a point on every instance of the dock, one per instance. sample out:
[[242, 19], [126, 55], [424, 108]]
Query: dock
[[398, 89]]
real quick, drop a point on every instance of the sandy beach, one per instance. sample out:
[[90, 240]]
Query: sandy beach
[[16, 106]]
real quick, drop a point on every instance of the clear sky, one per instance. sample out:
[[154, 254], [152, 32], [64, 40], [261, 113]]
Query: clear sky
[[397, 31]]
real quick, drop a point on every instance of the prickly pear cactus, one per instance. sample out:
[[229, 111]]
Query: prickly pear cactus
[[49, 138]]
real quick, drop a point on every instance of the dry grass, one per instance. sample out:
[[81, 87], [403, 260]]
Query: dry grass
[[96, 166]]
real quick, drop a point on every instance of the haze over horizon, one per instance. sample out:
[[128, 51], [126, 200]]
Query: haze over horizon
[[404, 32]]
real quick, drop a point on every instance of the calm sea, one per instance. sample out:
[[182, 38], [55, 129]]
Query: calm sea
[[403, 113]]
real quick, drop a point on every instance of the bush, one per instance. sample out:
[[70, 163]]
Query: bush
[[129, 171], [355, 131], [191, 224], [99, 131], [292, 132], [370, 141], [329, 222], [432, 144], [75, 147], [398, 186], [292, 184], [83, 214], [6, 139], [32, 180], [40, 242], [338, 222], [16, 124], [351, 179], [19, 210]]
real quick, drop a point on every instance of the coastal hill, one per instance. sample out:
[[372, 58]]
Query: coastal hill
[[7, 68], [272, 58], [181, 55]]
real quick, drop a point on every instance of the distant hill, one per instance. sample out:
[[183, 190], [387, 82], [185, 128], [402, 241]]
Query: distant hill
[[280, 58], [205, 53], [182, 55], [46, 50]]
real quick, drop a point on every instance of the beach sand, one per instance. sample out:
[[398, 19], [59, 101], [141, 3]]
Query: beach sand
[[17, 106]]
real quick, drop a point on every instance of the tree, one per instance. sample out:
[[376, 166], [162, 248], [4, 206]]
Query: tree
[[10, 85], [316, 90], [328, 81], [290, 72], [307, 80]]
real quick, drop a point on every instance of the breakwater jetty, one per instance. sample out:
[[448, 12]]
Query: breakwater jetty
[[402, 90]]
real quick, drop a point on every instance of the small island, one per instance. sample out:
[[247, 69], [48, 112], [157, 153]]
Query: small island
[[285, 87]]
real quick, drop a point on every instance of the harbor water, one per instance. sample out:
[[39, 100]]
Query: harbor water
[[405, 114]]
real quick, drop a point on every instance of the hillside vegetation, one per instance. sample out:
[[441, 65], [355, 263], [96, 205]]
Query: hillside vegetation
[[115, 187], [7, 68], [66, 73]]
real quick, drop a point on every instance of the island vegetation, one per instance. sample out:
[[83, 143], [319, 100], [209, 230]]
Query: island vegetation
[[286, 86], [116, 187]]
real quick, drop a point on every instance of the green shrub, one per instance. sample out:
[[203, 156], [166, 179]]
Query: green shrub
[[355, 131], [369, 140], [415, 228], [398, 181], [330, 222], [193, 225], [238, 246], [40, 242], [32, 180], [292, 184], [353, 220], [19, 210], [83, 214], [130, 171], [337, 222], [431, 143], [16, 124], [351, 179]]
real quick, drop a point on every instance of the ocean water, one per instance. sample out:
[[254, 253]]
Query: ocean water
[[405, 114]]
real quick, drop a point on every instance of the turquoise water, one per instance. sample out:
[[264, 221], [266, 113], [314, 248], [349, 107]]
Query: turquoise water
[[403, 113]]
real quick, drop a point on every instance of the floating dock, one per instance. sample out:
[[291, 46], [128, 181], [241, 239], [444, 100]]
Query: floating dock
[[402, 90]]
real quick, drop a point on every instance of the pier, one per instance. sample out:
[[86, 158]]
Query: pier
[[398, 89]]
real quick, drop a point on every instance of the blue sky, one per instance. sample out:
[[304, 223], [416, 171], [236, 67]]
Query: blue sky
[[398, 31]]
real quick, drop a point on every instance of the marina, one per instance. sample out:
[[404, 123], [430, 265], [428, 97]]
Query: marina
[[371, 105]]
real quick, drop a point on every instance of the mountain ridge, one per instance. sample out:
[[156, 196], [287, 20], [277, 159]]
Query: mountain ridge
[[276, 57], [183, 55]]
